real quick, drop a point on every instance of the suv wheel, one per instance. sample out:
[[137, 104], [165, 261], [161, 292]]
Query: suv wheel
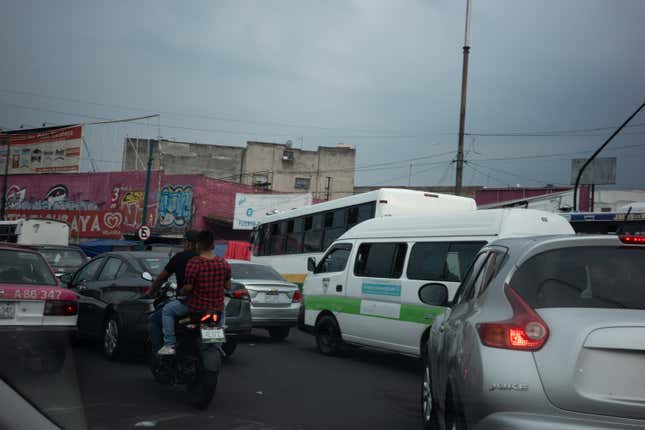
[[328, 337]]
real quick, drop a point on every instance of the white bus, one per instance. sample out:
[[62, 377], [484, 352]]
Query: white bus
[[35, 232], [286, 240]]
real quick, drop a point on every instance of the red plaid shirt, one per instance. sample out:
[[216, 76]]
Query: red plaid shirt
[[208, 278]]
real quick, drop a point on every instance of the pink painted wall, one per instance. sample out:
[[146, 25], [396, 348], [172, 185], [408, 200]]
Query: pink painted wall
[[101, 205], [488, 196]]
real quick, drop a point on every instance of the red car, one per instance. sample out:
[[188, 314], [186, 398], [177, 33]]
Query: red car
[[37, 315]]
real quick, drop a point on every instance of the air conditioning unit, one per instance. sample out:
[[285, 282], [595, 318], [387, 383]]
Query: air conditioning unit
[[287, 156]]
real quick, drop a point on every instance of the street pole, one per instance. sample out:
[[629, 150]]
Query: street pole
[[146, 190], [462, 111], [595, 154], [3, 204]]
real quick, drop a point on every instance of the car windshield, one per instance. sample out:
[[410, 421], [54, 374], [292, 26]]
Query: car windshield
[[63, 257], [154, 265], [24, 268], [254, 272]]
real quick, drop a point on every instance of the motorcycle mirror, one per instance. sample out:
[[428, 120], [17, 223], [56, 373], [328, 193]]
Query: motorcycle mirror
[[147, 276]]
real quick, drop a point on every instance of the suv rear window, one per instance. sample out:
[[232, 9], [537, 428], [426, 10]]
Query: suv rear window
[[583, 277]]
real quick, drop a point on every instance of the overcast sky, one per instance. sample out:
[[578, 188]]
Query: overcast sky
[[383, 76]]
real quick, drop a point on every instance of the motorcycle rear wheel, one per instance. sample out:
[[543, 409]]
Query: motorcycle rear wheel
[[202, 391]]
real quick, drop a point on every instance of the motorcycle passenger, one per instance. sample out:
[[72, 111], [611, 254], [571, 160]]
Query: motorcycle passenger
[[176, 266], [207, 276]]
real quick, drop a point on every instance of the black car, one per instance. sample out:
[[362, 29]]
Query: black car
[[112, 310], [63, 259]]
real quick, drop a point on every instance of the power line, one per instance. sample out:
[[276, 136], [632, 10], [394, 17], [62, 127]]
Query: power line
[[525, 178]]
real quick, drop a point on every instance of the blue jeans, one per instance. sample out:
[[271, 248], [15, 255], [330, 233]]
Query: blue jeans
[[154, 329], [169, 313]]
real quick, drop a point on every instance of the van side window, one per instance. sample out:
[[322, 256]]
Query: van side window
[[441, 261], [467, 286], [335, 260], [380, 260]]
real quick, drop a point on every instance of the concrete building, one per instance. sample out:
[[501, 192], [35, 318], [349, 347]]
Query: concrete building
[[327, 173]]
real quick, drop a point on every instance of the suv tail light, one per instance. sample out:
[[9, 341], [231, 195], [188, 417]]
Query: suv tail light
[[525, 331], [61, 308], [297, 297], [242, 294], [632, 240]]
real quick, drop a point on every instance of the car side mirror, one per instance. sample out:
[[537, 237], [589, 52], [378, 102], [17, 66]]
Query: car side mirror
[[66, 279], [147, 276], [311, 264], [434, 294]]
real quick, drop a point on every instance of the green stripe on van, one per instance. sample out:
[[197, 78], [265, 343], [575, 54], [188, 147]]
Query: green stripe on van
[[409, 312]]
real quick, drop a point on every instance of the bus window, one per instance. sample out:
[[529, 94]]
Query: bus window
[[295, 228], [359, 213], [266, 240], [335, 226], [278, 237], [313, 233]]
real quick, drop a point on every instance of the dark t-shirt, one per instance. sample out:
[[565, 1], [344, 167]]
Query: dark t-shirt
[[177, 265]]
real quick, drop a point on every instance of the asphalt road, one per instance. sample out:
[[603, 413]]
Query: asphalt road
[[264, 385]]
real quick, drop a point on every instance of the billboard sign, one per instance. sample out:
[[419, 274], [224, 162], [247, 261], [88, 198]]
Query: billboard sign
[[42, 151], [601, 171], [251, 209]]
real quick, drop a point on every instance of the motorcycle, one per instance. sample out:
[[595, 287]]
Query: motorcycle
[[197, 361]]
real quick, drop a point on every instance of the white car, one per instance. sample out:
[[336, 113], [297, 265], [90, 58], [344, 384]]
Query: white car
[[37, 315]]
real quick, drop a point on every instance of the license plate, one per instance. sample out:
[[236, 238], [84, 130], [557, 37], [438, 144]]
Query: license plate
[[271, 298], [7, 310], [213, 335]]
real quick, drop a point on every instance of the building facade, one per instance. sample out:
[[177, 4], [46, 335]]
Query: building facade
[[327, 173]]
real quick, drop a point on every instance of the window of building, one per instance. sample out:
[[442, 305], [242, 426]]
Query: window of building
[[380, 260], [302, 183]]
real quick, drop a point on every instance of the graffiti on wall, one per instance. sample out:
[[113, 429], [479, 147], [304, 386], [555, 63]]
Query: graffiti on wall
[[57, 198], [175, 205], [129, 203]]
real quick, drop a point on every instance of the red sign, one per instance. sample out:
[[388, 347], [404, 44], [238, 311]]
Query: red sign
[[81, 223]]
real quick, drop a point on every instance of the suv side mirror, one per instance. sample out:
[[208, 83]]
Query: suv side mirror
[[434, 294], [311, 264], [66, 279], [147, 276]]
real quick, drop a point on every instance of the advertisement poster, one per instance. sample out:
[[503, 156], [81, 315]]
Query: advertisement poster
[[250, 209], [42, 151]]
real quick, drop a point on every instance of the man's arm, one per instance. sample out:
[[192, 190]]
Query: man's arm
[[187, 288], [227, 285], [157, 283]]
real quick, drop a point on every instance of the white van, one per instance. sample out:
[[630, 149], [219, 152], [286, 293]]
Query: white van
[[365, 289], [35, 232]]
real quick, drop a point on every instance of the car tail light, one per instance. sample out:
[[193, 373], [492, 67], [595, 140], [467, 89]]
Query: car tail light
[[632, 240], [525, 331], [207, 317], [297, 297], [242, 293], [61, 308]]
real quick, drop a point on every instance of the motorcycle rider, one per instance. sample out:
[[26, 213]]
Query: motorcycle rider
[[207, 276], [177, 266]]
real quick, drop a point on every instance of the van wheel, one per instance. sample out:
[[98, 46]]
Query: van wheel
[[428, 407], [328, 338]]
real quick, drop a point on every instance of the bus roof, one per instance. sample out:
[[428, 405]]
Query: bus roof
[[393, 195], [488, 222]]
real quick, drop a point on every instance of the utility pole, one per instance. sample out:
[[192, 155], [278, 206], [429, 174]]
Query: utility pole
[[328, 190], [3, 205], [410, 176], [146, 190], [462, 111]]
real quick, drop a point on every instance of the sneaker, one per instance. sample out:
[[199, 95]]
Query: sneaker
[[167, 350]]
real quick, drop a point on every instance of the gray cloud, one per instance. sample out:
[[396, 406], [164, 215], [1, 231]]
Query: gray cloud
[[341, 71]]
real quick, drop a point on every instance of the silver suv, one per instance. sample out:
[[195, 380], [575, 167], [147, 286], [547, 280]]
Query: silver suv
[[543, 333]]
